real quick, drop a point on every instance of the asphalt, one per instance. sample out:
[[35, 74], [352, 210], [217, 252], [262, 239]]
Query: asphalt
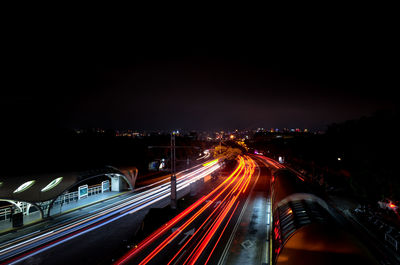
[[250, 241], [242, 237], [244, 241]]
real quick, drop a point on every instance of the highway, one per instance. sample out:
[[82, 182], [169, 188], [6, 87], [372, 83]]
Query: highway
[[207, 232], [227, 222], [157, 194]]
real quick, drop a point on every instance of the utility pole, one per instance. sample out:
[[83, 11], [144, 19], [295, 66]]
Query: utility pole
[[173, 172], [173, 167]]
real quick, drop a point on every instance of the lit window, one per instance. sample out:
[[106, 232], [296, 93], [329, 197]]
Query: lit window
[[24, 186], [52, 184]]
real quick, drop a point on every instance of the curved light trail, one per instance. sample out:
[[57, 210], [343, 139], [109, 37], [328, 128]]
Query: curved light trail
[[204, 221], [26, 246]]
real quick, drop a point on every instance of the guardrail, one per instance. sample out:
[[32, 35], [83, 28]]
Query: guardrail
[[392, 241]]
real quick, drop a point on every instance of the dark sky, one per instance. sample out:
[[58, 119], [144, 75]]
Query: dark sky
[[243, 70]]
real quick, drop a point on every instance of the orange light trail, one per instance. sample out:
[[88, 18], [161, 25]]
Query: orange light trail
[[211, 233], [252, 168], [228, 181], [205, 240], [211, 163], [214, 211], [219, 220], [211, 252], [241, 175], [186, 224]]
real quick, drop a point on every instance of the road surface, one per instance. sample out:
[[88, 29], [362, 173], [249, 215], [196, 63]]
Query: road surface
[[229, 225]]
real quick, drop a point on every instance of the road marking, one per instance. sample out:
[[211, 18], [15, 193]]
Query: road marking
[[178, 259], [268, 245], [247, 244], [187, 234], [228, 244], [174, 229], [217, 203]]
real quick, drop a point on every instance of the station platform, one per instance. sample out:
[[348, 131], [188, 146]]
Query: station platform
[[6, 224]]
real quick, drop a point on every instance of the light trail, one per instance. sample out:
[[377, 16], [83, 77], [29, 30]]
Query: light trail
[[159, 232], [271, 162], [277, 165], [205, 240], [175, 220], [238, 189], [217, 209], [210, 163], [206, 153], [66, 231], [252, 168], [221, 234], [228, 195]]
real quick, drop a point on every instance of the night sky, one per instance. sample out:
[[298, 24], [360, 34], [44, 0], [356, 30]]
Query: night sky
[[164, 72]]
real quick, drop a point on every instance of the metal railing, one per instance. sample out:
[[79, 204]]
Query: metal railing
[[391, 239], [73, 196], [5, 211]]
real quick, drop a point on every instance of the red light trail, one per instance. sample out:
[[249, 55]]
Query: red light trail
[[210, 214]]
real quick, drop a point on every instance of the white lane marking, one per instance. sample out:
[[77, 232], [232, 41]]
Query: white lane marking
[[228, 244], [247, 244], [187, 234]]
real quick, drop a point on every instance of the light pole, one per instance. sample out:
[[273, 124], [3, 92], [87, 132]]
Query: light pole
[[173, 173]]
